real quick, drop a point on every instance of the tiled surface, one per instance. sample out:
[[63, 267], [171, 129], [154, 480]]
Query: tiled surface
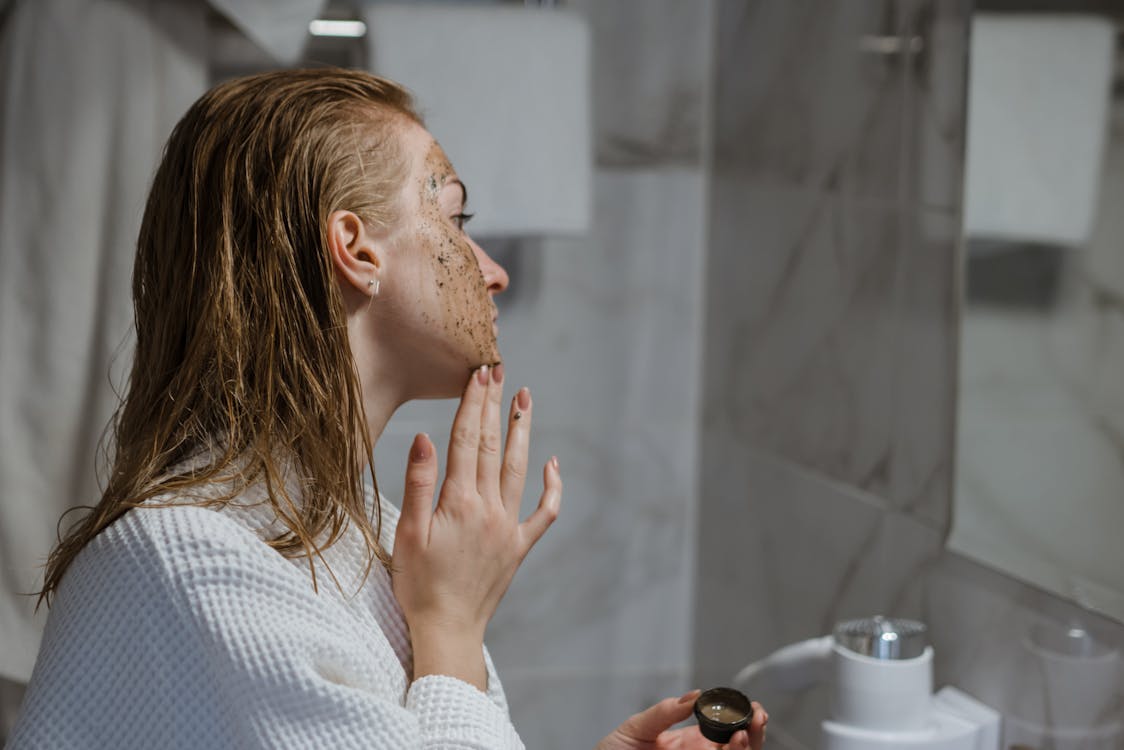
[[1042, 418], [936, 112], [810, 362], [651, 70], [842, 297], [803, 102], [925, 351], [827, 446], [805, 362]]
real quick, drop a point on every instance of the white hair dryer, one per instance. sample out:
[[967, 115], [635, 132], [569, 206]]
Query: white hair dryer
[[880, 672]]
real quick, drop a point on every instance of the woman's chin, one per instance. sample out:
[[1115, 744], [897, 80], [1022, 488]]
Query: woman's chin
[[455, 385], [489, 356]]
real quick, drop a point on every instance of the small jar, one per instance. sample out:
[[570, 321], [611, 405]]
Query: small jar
[[721, 712]]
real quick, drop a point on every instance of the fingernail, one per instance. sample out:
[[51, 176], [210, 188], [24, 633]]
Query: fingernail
[[689, 696], [420, 449], [523, 398], [482, 375], [554, 461], [497, 373]]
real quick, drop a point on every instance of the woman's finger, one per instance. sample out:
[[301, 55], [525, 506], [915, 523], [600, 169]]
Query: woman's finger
[[464, 440], [647, 725], [757, 726], [513, 477], [740, 741], [539, 521], [488, 454], [417, 496]]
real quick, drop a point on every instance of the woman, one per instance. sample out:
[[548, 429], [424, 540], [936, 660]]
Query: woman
[[302, 270]]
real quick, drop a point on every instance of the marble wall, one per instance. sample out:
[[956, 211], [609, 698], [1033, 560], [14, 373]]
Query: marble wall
[[606, 331], [1041, 410], [829, 387]]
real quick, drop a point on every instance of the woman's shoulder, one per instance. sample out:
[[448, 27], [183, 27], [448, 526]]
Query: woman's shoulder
[[130, 587], [173, 600], [173, 546], [150, 527]]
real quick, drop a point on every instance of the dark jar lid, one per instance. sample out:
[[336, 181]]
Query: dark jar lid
[[721, 712]]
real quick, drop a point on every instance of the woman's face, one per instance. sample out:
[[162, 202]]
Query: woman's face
[[440, 283]]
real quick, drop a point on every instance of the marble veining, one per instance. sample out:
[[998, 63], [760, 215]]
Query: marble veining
[[1041, 449], [810, 235], [649, 105], [802, 102], [830, 377]]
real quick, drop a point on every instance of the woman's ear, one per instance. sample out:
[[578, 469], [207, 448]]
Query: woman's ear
[[356, 253]]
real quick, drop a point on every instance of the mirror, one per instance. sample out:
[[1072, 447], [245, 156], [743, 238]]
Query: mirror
[[1040, 436]]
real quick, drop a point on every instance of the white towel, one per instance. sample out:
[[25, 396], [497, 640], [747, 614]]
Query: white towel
[[506, 91], [1039, 88]]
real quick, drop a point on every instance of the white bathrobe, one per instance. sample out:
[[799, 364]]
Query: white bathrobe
[[180, 628]]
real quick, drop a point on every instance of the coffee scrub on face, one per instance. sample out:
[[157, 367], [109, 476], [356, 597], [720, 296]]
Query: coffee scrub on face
[[462, 290], [464, 297]]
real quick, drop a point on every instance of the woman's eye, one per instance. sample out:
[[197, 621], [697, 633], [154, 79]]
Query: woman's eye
[[461, 219]]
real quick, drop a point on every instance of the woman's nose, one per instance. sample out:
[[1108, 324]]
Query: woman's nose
[[494, 274]]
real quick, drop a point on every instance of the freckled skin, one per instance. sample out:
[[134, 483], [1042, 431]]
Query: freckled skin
[[461, 288], [434, 313]]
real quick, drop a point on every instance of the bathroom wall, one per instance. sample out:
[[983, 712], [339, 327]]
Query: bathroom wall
[[1041, 408], [830, 357], [606, 330]]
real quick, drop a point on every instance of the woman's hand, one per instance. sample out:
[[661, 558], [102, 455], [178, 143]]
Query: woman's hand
[[649, 729], [452, 564]]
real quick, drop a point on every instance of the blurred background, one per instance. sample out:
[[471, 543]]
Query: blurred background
[[822, 304]]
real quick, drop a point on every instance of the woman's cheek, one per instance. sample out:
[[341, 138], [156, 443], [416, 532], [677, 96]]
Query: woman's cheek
[[463, 295]]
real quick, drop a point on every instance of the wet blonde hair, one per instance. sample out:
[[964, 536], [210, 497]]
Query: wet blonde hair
[[242, 354]]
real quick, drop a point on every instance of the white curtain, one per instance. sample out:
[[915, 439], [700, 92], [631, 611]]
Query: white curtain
[[90, 90]]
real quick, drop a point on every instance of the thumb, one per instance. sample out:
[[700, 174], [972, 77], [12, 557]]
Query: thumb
[[647, 725]]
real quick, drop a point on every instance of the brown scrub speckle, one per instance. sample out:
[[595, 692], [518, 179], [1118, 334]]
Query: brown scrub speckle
[[461, 287]]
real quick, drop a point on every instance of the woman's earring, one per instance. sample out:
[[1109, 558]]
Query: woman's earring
[[373, 285]]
